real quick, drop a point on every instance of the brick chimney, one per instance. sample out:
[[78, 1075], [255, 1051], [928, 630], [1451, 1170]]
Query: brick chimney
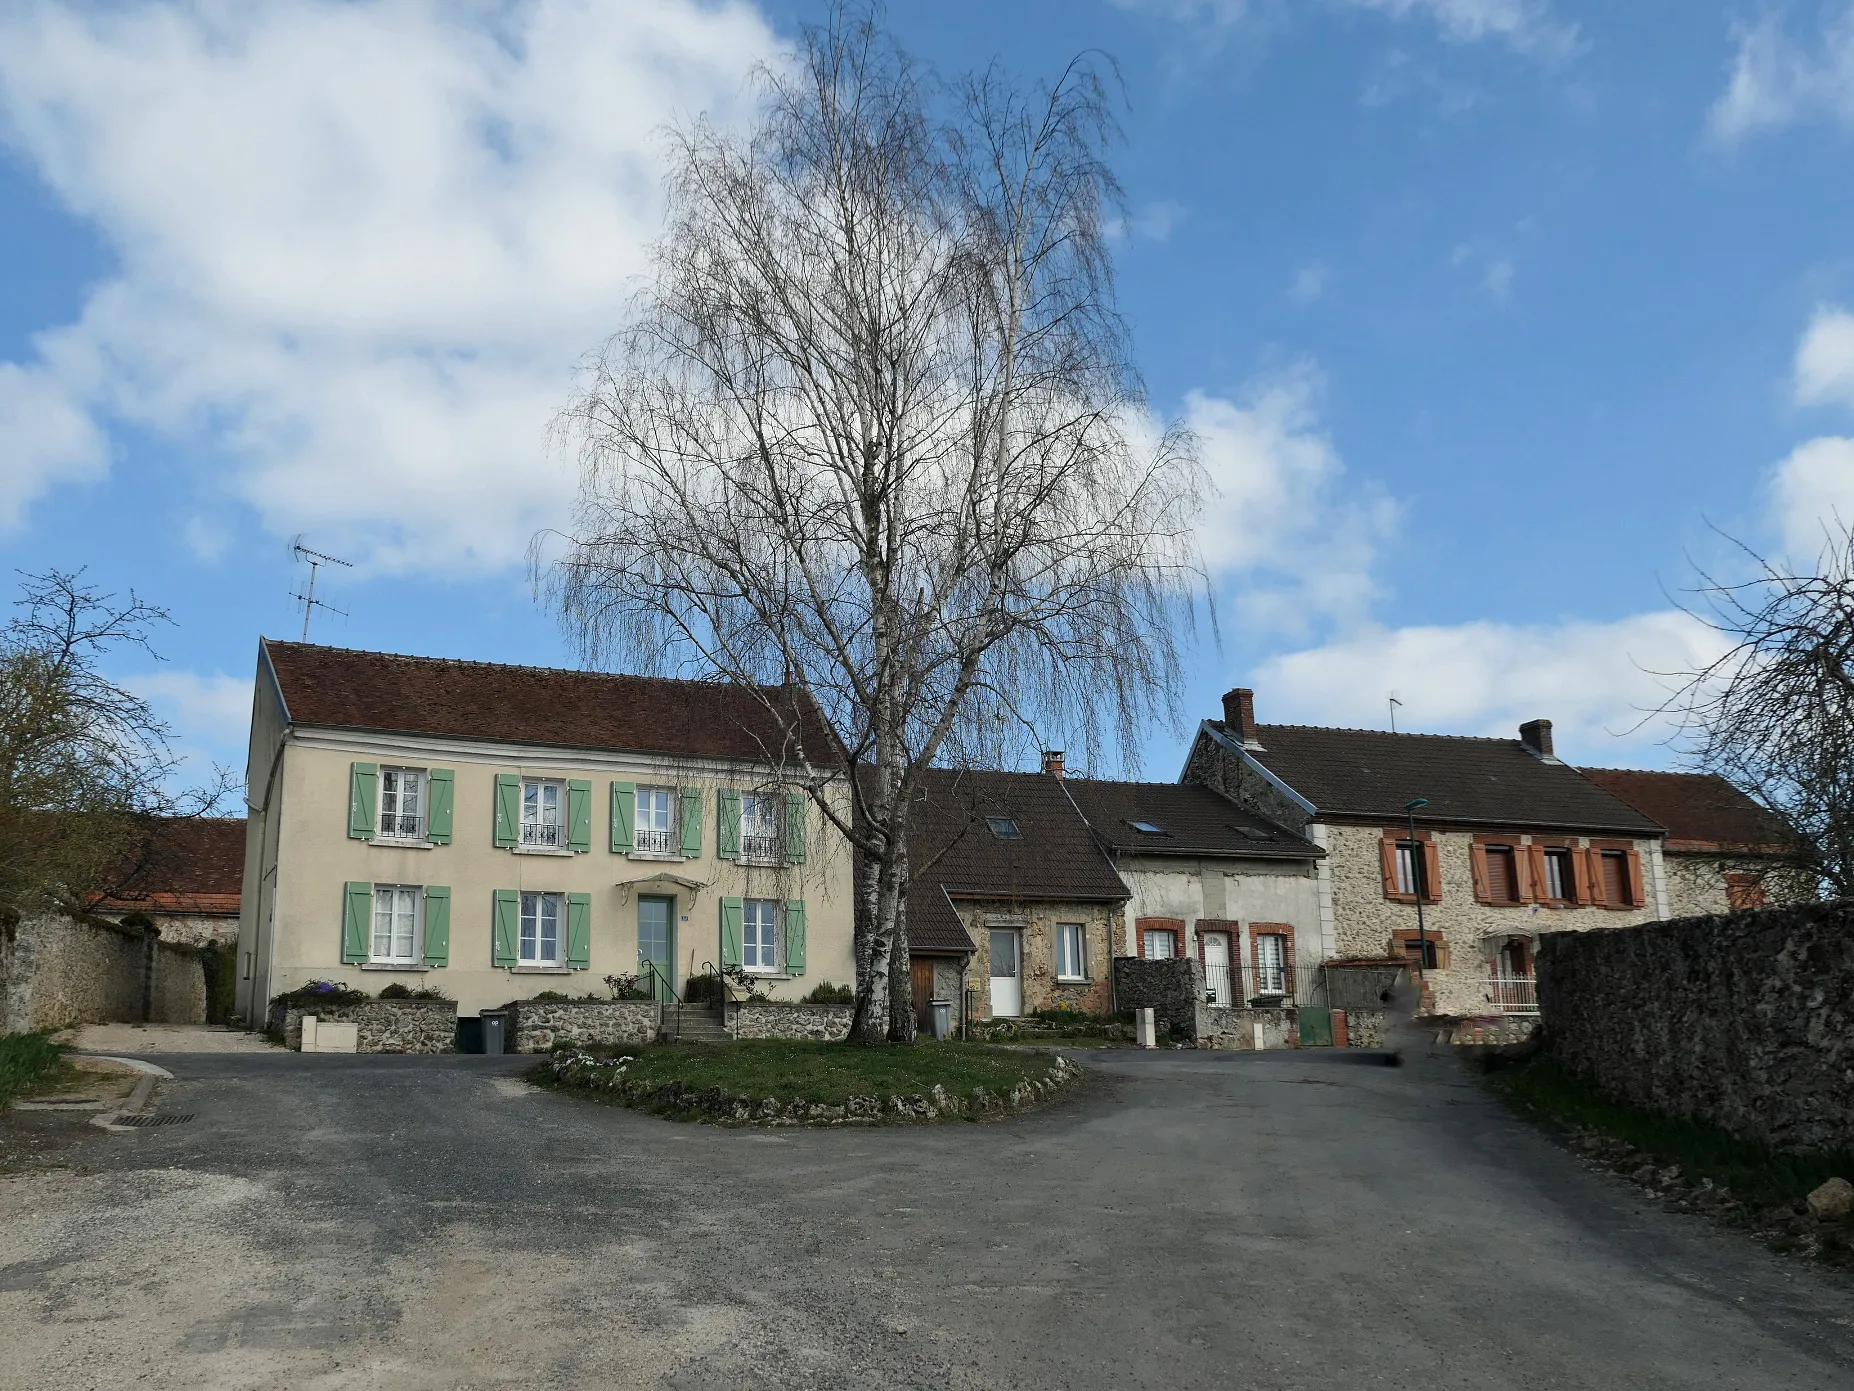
[[1239, 716], [1536, 735], [1052, 762]]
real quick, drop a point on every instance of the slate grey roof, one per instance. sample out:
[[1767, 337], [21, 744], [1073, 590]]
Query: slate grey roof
[[1192, 820], [1373, 773]]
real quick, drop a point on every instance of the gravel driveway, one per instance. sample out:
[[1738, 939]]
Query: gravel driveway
[[1191, 1219]]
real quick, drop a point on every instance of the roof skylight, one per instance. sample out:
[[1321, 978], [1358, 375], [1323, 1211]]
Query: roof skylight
[[1147, 828], [1003, 827]]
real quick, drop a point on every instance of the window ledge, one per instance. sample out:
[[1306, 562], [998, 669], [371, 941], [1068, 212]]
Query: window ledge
[[1074, 980], [416, 967], [768, 975], [539, 850], [746, 863], [397, 843], [539, 970], [660, 855]]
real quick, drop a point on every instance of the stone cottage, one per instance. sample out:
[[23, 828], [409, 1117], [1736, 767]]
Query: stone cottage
[[1722, 851], [1510, 842]]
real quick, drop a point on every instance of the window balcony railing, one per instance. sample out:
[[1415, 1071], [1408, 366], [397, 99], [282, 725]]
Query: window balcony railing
[[761, 847], [657, 841], [401, 827], [543, 835], [1513, 994]]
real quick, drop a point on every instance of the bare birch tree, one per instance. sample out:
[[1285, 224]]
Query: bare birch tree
[[874, 430]]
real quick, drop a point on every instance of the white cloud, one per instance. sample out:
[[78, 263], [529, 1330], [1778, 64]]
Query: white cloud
[[207, 714], [1812, 492], [1825, 359], [1526, 26], [362, 242], [1777, 81], [1309, 283], [1287, 520], [1593, 680], [46, 437]]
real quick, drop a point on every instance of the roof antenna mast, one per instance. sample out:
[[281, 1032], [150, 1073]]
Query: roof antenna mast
[[316, 560], [1394, 703]]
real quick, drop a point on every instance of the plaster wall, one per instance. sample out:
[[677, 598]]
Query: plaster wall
[[1224, 890]]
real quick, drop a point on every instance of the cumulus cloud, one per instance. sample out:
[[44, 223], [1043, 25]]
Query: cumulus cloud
[[208, 714], [1825, 359], [46, 437], [1777, 80], [1525, 26], [362, 242], [1286, 519], [1594, 680], [1812, 495]]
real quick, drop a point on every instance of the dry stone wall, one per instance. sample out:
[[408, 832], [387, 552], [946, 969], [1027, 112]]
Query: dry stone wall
[[1742, 1019], [829, 1023], [385, 1026], [1172, 989], [57, 970], [535, 1026]]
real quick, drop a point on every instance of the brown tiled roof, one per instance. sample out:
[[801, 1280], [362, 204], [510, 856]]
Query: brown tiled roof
[[953, 852], [1192, 820], [1699, 810], [1373, 773], [192, 865], [339, 688]]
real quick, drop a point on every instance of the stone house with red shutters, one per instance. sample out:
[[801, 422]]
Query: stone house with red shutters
[[1511, 842]]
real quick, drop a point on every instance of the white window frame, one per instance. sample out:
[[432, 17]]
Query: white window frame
[[540, 834], [1078, 933], [1409, 866], [1558, 864], [762, 919], [523, 916], [421, 787], [760, 846], [401, 895], [652, 839], [1277, 983], [1153, 934]]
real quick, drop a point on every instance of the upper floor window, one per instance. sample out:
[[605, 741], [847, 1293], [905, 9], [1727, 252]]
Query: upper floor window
[[656, 820], [1560, 877], [760, 934], [395, 924], [1743, 890], [1615, 877], [1409, 866], [543, 818], [402, 804], [759, 828], [1502, 874]]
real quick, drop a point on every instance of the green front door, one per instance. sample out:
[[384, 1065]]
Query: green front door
[[656, 945]]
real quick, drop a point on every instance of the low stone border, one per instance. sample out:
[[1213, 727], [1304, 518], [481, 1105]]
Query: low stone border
[[606, 1077]]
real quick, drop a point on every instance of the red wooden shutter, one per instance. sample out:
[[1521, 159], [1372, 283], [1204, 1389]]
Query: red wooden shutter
[[1593, 886], [1432, 872], [1387, 858], [1477, 861], [1580, 875], [1632, 863], [1537, 885]]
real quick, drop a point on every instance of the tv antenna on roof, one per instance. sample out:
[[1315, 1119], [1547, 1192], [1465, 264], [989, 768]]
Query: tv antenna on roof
[[316, 560], [1394, 703]]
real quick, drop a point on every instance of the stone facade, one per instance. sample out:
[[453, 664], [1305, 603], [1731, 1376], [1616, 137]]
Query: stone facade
[[57, 970], [1036, 922], [1695, 885], [1742, 1019], [1469, 933], [776, 1019], [386, 1026], [535, 1026]]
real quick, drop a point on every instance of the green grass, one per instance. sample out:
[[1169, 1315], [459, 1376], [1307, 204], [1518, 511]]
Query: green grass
[[830, 1073], [1546, 1092], [29, 1063]]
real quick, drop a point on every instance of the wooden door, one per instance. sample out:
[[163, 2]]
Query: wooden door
[[920, 970]]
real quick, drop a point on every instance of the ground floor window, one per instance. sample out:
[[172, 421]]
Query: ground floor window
[[760, 940], [1271, 963], [1161, 944], [1071, 959], [395, 924], [540, 929]]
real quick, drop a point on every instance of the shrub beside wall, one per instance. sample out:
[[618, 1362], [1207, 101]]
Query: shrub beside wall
[[1743, 1019]]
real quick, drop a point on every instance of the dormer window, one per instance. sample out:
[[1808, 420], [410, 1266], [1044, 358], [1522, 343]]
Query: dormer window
[[1003, 828]]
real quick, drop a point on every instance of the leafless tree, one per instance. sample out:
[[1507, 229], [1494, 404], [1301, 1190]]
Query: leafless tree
[[874, 430], [1774, 715], [85, 765]]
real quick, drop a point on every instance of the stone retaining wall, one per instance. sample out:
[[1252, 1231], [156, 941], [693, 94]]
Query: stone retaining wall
[[57, 970], [1742, 1019], [386, 1026], [750, 1019], [1235, 1028], [1172, 989], [535, 1026], [1367, 1028]]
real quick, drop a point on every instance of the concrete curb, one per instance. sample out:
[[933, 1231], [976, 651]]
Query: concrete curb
[[138, 1099]]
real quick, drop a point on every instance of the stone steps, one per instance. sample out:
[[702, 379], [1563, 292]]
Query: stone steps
[[694, 1024]]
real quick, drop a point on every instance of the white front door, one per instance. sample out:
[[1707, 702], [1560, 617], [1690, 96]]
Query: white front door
[[1217, 968], [1007, 986]]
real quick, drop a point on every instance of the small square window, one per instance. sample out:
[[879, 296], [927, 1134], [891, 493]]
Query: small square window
[[1003, 827]]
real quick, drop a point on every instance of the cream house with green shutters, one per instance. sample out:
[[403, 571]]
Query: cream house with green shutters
[[493, 832]]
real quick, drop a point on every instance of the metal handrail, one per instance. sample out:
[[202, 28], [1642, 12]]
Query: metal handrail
[[651, 967], [721, 984]]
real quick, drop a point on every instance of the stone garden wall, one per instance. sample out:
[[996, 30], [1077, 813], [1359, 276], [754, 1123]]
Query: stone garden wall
[[1172, 989], [775, 1019], [1742, 1019], [1235, 1028], [57, 970], [386, 1026], [535, 1026]]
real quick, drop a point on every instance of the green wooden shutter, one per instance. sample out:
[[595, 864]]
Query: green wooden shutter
[[508, 810], [505, 930], [624, 816], [795, 936], [437, 925], [363, 783], [357, 923], [690, 800], [794, 828], [579, 816], [579, 931], [733, 924], [727, 824], [441, 785]]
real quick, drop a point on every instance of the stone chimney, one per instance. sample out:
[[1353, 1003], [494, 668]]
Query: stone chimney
[[1536, 735], [1052, 762], [1239, 716]]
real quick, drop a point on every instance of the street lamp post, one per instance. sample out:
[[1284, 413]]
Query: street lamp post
[[1419, 873]]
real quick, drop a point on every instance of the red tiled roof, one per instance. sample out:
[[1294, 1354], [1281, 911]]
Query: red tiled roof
[[1700, 810], [183, 865], [340, 688]]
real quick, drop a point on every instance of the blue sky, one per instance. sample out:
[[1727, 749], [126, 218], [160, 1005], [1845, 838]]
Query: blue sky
[[1487, 312]]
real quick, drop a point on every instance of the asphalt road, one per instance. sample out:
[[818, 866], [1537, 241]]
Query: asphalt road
[[1190, 1219]]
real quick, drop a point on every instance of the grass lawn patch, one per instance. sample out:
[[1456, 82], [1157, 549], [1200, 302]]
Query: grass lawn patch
[[31, 1064], [790, 1081], [1691, 1164]]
